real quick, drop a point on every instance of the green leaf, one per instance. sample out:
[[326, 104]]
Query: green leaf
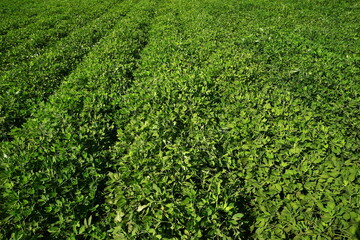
[[141, 207], [237, 216]]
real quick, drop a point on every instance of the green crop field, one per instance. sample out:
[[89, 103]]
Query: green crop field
[[179, 119]]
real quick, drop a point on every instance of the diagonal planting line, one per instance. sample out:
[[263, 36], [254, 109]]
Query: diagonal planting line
[[51, 11], [22, 89], [20, 19], [23, 15], [17, 52], [19, 14], [263, 117], [64, 146], [172, 176]]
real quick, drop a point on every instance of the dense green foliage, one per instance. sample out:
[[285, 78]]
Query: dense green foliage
[[154, 119]]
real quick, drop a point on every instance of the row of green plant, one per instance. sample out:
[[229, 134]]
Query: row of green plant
[[18, 13], [192, 120], [21, 17], [53, 171], [170, 181], [303, 118], [24, 44], [26, 85], [241, 123]]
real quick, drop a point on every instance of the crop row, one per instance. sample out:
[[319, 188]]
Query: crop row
[[23, 87], [24, 44], [234, 128], [54, 169], [170, 181], [188, 120], [292, 122], [16, 14]]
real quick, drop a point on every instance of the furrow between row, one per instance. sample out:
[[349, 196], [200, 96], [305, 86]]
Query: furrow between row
[[22, 89], [58, 170]]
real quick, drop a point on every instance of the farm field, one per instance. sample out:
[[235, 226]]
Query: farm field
[[176, 119]]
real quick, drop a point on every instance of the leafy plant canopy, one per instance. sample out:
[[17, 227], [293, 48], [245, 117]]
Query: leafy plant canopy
[[154, 119]]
